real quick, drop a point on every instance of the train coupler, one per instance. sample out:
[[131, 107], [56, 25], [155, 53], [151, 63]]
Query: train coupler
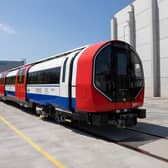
[[123, 120], [141, 113]]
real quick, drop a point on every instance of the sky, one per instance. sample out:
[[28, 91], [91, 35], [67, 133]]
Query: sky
[[35, 29]]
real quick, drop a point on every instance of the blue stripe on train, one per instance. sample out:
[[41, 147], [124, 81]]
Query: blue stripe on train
[[9, 93], [56, 101]]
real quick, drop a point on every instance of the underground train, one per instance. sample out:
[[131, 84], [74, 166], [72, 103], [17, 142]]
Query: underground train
[[96, 84]]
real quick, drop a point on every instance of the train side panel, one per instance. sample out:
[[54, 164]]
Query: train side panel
[[43, 82], [66, 86], [74, 80]]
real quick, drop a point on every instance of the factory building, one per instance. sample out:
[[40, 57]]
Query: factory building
[[144, 24], [6, 65]]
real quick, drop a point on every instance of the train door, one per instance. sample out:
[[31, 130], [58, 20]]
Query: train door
[[21, 82], [66, 82], [71, 86], [63, 85], [121, 72]]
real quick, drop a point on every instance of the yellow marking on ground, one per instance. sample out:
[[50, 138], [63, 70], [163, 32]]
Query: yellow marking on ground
[[33, 144]]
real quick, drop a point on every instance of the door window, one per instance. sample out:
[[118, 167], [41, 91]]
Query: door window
[[21, 76], [122, 59]]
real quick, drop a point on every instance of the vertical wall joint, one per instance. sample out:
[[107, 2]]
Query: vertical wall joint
[[155, 48], [132, 26]]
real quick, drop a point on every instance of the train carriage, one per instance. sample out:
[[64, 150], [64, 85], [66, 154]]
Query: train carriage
[[97, 84], [50, 81]]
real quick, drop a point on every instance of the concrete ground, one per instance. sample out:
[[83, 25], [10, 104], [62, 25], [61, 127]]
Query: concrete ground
[[26, 141], [157, 110]]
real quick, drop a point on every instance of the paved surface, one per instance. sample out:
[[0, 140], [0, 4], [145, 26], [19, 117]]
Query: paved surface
[[71, 148], [159, 148], [157, 110], [157, 124]]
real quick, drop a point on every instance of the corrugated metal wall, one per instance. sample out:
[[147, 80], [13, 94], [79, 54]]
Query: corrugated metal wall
[[144, 24]]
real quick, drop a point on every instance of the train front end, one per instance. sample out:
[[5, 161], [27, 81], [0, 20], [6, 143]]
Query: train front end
[[111, 86]]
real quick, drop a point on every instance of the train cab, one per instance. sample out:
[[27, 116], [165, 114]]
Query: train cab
[[110, 82]]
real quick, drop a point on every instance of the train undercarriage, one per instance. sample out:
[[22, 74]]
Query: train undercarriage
[[120, 118]]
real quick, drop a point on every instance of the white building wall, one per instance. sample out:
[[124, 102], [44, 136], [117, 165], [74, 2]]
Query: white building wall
[[144, 41], [123, 22], [145, 35]]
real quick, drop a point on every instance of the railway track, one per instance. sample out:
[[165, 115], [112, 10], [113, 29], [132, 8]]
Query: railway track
[[148, 133], [123, 138], [142, 150]]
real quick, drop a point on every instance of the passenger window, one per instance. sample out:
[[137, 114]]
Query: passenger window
[[10, 80], [48, 76]]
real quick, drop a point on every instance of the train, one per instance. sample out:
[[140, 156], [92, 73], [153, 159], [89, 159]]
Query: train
[[97, 84]]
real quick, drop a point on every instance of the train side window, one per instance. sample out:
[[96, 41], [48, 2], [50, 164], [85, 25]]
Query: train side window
[[31, 78], [10, 80], [64, 70], [54, 76], [48, 76], [21, 76]]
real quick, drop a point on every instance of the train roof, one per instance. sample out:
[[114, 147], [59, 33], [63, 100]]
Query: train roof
[[61, 54], [50, 57]]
